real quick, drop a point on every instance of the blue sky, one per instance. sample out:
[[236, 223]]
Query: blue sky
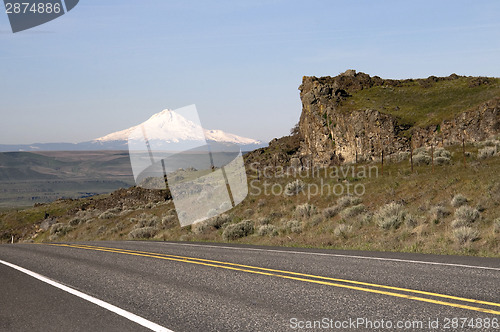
[[109, 65]]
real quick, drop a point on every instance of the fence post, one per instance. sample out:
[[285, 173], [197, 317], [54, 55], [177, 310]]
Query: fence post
[[463, 150], [411, 157], [382, 172], [432, 157]]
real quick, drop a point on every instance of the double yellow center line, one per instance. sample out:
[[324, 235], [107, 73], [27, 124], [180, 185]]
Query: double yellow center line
[[335, 282]]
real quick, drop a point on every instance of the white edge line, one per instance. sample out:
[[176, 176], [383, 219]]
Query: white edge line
[[128, 315], [338, 255]]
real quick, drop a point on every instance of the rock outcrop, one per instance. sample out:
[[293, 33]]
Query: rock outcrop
[[279, 152], [330, 134]]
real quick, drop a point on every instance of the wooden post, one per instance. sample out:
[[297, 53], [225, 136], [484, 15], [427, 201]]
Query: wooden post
[[382, 171], [463, 150], [432, 157], [411, 157], [356, 148]]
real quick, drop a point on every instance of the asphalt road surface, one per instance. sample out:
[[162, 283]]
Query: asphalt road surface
[[165, 286]]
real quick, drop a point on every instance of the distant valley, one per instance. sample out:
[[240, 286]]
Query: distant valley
[[44, 172], [165, 126], [27, 178]]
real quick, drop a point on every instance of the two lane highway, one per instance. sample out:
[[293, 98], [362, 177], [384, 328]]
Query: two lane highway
[[209, 287]]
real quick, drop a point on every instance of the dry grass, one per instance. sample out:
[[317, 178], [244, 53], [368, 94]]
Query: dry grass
[[424, 105], [420, 223]]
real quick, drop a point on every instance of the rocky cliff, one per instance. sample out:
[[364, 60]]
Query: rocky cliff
[[355, 116]]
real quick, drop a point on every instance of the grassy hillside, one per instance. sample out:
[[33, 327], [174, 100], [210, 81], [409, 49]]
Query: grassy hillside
[[426, 102], [445, 209]]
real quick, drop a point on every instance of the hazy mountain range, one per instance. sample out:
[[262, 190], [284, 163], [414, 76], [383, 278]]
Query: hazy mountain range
[[166, 127]]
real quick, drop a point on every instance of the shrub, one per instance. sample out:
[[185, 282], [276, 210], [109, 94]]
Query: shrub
[[342, 230], [480, 207], [267, 230], [294, 187], [442, 160], [400, 156], [168, 220], [420, 150], [489, 142], [316, 220], [456, 223], [261, 202], [305, 210], [81, 217], [117, 228], [84, 214], [346, 201], [235, 231], [219, 221], [125, 212], [411, 220], [146, 220], [330, 211], [486, 152], [465, 234], [60, 229], [116, 209], [439, 212], [101, 229], [352, 211], [107, 215], [441, 152], [365, 218], [496, 225], [390, 216], [294, 226], [76, 221], [458, 200], [275, 214], [142, 233], [199, 227], [466, 215], [264, 221], [421, 159]]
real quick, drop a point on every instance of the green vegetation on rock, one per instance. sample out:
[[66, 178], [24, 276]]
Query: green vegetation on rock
[[426, 102]]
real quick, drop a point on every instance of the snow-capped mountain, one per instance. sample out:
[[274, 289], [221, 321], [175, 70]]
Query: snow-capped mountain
[[170, 126], [165, 127]]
